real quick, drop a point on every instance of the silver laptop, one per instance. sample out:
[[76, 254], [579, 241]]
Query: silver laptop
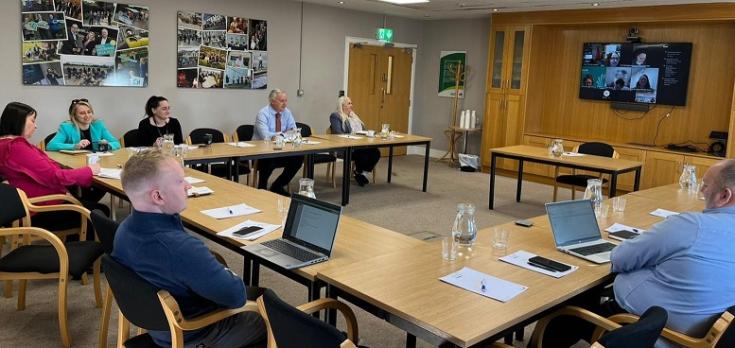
[[576, 232], [308, 236]]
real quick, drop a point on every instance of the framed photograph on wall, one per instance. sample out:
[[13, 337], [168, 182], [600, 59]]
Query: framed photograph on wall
[[217, 51], [84, 43]]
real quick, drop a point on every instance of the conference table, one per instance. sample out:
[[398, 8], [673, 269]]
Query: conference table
[[527, 153], [403, 287]]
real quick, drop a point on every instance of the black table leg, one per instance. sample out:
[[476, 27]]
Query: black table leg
[[491, 196], [246, 271], [347, 157], [313, 294], [519, 184], [426, 166], [637, 183], [230, 175], [331, 315], [390, 162], [309, 166], [255, 273], [410, 340], [613, 184]]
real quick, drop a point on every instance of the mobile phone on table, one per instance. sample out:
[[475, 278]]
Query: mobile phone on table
[[548, 264], [623, 235], [243, 232]]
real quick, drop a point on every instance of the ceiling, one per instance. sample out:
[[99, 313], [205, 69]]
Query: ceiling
[[447, 9]]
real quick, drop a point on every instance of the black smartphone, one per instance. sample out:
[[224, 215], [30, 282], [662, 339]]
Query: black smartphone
[[623, 235], [243, 232], [548, 264]]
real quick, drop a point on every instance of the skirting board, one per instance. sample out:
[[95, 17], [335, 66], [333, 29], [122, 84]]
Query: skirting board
[[420, 150]]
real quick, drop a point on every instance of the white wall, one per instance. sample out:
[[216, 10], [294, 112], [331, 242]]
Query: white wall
[[325, 29]]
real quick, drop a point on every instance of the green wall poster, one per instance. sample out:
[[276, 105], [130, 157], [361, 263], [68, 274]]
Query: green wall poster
[[448, 63]]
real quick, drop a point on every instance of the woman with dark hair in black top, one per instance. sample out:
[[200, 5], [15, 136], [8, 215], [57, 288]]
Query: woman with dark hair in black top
[[158, 122]]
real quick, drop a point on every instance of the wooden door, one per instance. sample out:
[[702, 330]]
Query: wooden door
[[379, 84]]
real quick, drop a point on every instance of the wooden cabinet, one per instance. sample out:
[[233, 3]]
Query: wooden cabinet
[[627, 180], [701, 163], [535, 168], [503, 121], [661, 168]]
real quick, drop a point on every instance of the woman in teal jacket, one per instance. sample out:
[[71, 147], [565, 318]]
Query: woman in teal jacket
[[82, 131]]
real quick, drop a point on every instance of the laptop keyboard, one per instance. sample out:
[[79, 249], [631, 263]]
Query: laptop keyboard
[[594, 249], [290, 250]]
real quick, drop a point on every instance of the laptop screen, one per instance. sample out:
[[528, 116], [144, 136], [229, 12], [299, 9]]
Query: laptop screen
[[573, 222], [312, 223]]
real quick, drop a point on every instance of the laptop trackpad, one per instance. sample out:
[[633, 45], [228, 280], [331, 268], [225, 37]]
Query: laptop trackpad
[[265, 252]]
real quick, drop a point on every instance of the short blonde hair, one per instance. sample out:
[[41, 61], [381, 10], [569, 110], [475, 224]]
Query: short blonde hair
[[75, 105], [142, 167]]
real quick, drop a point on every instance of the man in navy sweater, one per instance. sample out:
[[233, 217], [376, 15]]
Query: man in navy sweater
[[152, 242]]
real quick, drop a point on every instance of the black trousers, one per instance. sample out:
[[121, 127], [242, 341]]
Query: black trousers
[[64, 220], [366, 159], [290, 165]]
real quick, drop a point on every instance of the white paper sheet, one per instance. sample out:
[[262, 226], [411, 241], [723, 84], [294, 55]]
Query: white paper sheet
[[230, 211], [663, 213], [266, 228], [348, 136], [520, 259], [199, 191], [572, 154], [616, 227], [484, 284], [310, 142], [74, 152], [192, 180], [241, 144], [110, 173]]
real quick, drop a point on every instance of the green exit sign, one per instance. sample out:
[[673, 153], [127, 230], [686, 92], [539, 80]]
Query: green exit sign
[[384, 34]]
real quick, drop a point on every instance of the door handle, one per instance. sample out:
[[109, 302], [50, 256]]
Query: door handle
[[382, 97]]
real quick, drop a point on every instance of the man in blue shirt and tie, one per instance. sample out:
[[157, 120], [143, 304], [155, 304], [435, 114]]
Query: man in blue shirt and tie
[[272, 121]]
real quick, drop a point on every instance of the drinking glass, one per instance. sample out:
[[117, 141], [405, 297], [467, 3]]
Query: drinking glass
[[449, 248], [500, 241]]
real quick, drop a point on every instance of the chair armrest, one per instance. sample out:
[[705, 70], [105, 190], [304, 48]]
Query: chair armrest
[[60, 207], [58, 197], [173, 313], [603, 324], [328, 303], [712, 336]]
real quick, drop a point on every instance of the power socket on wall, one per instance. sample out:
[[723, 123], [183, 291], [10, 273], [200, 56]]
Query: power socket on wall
[[300, 92]]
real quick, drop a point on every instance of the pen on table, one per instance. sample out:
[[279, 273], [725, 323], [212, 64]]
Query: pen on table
[[230, 210], [483, 287]]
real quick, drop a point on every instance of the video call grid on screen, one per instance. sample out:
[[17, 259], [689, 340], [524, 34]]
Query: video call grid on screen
[[642, 73]]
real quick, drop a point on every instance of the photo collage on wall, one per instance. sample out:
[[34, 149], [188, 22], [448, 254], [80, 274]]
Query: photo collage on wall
[[217, 51], [84, 43]]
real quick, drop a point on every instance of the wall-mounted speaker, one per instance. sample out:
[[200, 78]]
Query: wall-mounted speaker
[[630, 106]]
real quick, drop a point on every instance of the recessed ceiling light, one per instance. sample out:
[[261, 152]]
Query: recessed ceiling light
[[495, 10], [404, 2], [341, 2], [595, 4]]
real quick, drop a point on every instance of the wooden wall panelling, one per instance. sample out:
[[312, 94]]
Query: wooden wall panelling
[[535, 168], [731, 144], [701, 163], [626, 181], [661, 168]]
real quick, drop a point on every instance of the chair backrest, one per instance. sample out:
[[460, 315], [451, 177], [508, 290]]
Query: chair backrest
[[105, 229], [197, 135], [245, 132], [130, 139], [728, 336], [136, 297], [13, 207], [642, 333], [597, 149], [46, 140], [286, 321], [305, 129]]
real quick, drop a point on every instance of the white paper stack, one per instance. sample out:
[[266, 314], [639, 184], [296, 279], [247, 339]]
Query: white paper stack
[[265, 229], [484, 284], [663, 213], [192, 180], [199, 191], [231, 211], [241, 144], [110, 173], [520, 259]]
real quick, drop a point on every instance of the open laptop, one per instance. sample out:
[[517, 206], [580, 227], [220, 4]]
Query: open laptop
[[576, 232], [308, 236]]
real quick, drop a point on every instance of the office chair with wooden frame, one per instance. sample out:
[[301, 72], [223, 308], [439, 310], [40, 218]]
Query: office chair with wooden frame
[[56, 260], [245, 133], [147, 307], [642, 332], [720, 335], [575, 180]]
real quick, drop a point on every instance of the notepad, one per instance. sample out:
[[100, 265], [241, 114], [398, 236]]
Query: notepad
[[266, 228], [617, 227], [484, 284], [192, 180], [74, 152], [572, 154], [348, 136], [199, 191], [663, 213], [230, 211], [310, 142], [241, 144], [110, 173], [520, 259]]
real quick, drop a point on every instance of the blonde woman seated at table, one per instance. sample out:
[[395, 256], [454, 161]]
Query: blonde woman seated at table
[[346, 121], [83, 131]]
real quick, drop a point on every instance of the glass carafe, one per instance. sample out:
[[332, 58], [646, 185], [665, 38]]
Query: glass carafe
[[593, 192], [168, 143], [306, 187], [688, 178], [556, 148], [464, 229], [297, 140]]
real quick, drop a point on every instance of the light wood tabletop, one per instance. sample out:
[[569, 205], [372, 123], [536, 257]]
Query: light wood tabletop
[[541, 153], [406, 284], [350, 140]]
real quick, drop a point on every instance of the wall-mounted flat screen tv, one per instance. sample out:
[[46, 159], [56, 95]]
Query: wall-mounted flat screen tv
[[655, 73]]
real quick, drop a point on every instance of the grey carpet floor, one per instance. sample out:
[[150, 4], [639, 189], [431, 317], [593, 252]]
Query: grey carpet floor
[[400, 206]]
